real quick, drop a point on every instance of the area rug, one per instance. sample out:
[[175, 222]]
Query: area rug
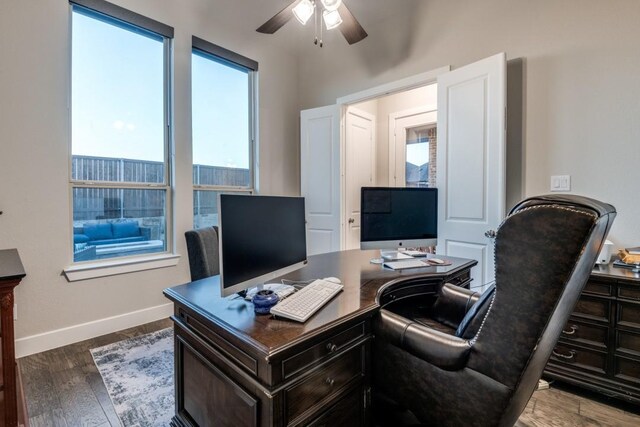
[[138, 374]]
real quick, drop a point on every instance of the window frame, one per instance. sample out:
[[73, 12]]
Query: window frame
[[225, 56], [126, 19]]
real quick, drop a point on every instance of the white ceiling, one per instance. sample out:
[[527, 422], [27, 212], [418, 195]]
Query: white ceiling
[[293, 35]]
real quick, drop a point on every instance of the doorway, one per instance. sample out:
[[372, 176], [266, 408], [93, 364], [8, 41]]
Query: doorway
[[471, 168], [386, 142], [413, 148]]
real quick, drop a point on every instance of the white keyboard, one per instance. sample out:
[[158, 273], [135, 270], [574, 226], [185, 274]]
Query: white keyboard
[[304, 303]]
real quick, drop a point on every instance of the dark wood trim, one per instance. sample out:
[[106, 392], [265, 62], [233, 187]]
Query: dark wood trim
[[125, 15], [222, 53]]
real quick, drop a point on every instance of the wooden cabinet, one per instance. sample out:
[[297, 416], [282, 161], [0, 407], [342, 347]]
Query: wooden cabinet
[[12, 407], [599, 348]]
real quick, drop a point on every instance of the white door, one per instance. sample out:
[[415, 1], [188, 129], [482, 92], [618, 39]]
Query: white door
[[360, 163], [399, 124], [320, 177], [471, 162]]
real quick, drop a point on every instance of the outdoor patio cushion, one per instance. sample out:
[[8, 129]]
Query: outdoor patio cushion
[[80, 238], [98, 231], [125, 229]]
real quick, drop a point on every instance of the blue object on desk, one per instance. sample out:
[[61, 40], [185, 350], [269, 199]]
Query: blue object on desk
[[263, 301]]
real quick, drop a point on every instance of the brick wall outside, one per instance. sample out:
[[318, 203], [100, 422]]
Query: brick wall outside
[[433, 143]]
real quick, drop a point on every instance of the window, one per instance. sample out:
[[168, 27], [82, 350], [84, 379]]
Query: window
[[223, 126], [120, 180], [420, 157]]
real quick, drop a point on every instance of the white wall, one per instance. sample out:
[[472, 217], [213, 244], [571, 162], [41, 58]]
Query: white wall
[[581, 91], [34, 151]]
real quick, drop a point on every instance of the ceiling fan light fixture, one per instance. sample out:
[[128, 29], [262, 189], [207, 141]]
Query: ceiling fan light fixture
[[303, 11], [331, 4], [332, 19]]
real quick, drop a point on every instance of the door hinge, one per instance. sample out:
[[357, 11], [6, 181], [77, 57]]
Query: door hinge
[[505, 118]]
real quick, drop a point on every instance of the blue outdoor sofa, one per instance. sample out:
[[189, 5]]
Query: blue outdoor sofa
[[110, 233]]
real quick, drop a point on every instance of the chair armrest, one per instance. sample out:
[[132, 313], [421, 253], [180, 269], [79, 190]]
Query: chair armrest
[[445, 351], [452, 304]]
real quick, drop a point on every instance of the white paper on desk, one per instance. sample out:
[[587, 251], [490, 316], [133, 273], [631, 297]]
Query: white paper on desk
[[403, 264]]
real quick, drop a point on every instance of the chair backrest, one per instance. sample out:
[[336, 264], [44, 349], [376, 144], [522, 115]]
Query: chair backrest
[[544, 253], [202, 247]]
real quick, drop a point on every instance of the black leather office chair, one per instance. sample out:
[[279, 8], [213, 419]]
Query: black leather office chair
[[202, 247], [469, 360]]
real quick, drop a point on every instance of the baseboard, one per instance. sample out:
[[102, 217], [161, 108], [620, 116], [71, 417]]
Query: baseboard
[[72, 334]]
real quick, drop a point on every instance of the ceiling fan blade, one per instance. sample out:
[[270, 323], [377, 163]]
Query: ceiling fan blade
[[350, 27], [278, 20]]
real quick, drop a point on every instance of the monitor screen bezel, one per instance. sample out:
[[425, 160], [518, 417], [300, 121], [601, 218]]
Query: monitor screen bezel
[[258, 280], [398, 243]]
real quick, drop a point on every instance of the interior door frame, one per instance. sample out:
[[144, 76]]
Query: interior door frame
[[407, 83], [344, 205], [393, 148]]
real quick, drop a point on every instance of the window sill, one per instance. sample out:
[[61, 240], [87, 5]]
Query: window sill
[[111, 268]]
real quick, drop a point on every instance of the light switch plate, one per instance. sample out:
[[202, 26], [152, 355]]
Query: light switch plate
[[561, 183]]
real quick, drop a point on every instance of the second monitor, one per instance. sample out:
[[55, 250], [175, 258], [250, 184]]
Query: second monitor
[[396, 217]]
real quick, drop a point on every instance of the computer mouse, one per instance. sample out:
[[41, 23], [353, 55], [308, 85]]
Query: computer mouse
[[436, 260], [333, 280]]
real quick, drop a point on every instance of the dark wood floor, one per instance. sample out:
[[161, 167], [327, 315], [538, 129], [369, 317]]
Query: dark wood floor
[[63, 388]]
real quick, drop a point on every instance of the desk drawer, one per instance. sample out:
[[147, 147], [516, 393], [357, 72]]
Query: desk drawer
[[463, 280], [594, 287], [318, 388], [589, 360], [628, 370], [586, 333], [314, 354], [346, 413], [629, 314], [629, 292], [593, 308], [628, 342]]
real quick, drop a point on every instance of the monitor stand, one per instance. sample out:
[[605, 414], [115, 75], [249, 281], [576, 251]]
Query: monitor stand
[[389, 256], [394, 255]]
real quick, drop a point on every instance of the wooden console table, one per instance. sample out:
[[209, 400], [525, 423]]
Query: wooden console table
[[599, 348], [12, 408], [236, 368]]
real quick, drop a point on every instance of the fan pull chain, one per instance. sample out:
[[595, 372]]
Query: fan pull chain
[[315, 23], [320, 23]]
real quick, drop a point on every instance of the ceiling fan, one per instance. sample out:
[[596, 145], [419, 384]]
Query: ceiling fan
[[334, 13]]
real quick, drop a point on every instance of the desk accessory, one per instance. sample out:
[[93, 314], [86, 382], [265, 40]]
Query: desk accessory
[[629, 259], [263, 301]]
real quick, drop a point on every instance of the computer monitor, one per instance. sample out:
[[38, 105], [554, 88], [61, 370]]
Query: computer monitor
[[398, 217], [261, 237]]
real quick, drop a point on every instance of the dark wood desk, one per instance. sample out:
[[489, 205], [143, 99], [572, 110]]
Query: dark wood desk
[[599, 348], [236, 368]]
